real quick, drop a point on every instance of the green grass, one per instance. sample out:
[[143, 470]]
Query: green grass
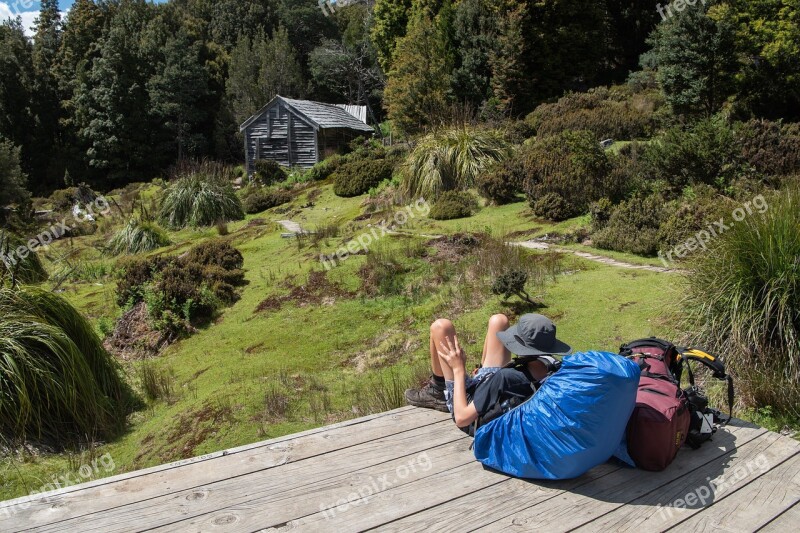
[[251, 376]]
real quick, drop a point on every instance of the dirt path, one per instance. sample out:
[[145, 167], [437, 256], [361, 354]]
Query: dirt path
[[538, 245]]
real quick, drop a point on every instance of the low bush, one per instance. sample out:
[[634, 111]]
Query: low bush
[[616, 113], [268, 172], [771, 148], [743, 302], [502, 182], [564, 173], [552, 206], [633, 226], [696, 210], [138, 237], [185, 290], [452, 205], [358, 176], [322, 170], [705, 153], [257, 200]]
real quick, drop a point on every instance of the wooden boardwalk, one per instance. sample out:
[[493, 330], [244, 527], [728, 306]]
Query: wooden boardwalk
[[412, 470]]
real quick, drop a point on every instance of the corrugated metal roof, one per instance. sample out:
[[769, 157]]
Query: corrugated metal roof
[[358, 111], [327, 115]]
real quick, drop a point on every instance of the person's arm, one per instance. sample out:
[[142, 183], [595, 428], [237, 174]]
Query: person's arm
[[463, 412]]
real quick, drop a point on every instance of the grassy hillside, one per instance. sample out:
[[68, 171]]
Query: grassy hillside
[[322, 350]]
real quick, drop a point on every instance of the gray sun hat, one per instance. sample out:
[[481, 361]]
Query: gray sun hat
[[533, 335]]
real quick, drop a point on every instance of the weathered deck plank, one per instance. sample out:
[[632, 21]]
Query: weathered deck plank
[[755, 504], [591, 495], [786, 521], [672, 503], [103, 495], [412, 470]]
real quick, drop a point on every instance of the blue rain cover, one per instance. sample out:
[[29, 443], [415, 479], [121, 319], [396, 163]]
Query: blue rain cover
[[573, 423]]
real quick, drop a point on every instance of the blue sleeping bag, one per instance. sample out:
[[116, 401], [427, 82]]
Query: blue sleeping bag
[[573, 423]]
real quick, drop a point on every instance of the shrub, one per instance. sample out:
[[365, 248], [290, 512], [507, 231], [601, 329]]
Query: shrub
[[357, 177], [771, 148], [600, 212], [138, 237], [565, 173], [518, 131], [704, 153], [699, 207], [59, 383], [183, 290], [552, 206], [617, 113], [200, 201], [512, 283], [215, 253], [452, 205], [451, 160], [743, 302], [502, 182], [322, 170], [259, 200], [26, 270], [268, 172], [62, 200], [633, 226]]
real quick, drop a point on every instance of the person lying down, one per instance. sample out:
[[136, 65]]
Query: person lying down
[[499, 384]]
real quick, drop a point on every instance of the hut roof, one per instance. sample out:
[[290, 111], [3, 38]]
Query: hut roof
[[321, 115]]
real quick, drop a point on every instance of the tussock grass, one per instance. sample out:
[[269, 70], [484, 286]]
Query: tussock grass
[[200, 200], [743, 303], [138, 237], [28, 270], [58, 382], [451, 160]]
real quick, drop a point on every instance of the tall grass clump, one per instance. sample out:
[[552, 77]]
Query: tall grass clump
[[138, 237], [451, 160], [13, 267], [59, 385], [200, 200], [743, 302]]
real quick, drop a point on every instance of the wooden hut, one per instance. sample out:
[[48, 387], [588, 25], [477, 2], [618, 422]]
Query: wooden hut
[[300, 132]]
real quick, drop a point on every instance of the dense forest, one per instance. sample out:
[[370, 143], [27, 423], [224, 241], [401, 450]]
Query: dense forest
[[119, 90]]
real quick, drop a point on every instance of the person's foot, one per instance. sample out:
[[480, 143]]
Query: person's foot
[[429, 396]]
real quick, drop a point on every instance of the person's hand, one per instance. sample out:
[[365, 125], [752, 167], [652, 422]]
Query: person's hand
[[451, 353]]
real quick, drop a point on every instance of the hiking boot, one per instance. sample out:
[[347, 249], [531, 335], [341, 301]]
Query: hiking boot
[[429, 396]]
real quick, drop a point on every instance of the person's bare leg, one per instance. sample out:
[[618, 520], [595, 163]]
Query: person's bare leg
[[440, 331], [495, 354]]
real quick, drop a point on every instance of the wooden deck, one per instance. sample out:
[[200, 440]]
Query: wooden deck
[[412, 470]]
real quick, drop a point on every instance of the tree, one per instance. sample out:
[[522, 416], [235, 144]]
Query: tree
[[630, 22], [12, 179], [696, 60], [260, 69], [390, 19], [112, 104], [16, 88], [417, 88], [475, 36], [347, 69], [176, 92], [47, 167], [768, 41]]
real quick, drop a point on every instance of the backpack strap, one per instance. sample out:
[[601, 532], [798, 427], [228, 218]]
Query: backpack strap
[[716, 366]]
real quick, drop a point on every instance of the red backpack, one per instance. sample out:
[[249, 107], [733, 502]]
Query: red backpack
[[660, 421]]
